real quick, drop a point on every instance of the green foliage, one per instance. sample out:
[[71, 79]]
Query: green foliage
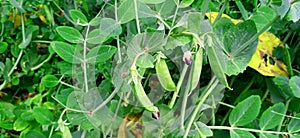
[[245, 112], [157, 68]]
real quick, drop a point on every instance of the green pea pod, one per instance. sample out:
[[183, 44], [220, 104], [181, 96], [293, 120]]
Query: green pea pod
[[216, 64], [164, 76], [141, 95], [196, 69]]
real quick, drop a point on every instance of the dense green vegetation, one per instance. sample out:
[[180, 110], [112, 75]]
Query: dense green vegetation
[[149, 68]]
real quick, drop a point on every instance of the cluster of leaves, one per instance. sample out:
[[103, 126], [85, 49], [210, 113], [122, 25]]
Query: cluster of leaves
[[101, 68]]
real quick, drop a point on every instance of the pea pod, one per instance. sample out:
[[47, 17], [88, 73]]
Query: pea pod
[[196, 69], [141, 95], [164, 76], [217, 65]]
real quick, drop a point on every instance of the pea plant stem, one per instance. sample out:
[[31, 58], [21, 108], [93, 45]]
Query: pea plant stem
[[282, 119], [248, 129], [107, 100], [210, 87], [184, 101], [176, 11], [221, 11], [118, 39], [42, 63], [137, 16], [175, 95], [288, 60], [242, 9], [84, 62], [204, 8]]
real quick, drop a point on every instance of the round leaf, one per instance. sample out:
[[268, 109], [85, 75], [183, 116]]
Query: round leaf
[[295, 86], [66, 52], [152, 1], [3, 47], [293, 14], [101, 54], [145, 61], [20, 124], [294, 125], [245, 112], [263, 16], [42, 115], [239, 50], [49, 81], [78, 16], [240, 134], [269, 119], [70, 34]]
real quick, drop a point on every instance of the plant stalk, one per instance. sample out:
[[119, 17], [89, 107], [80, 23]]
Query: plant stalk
[[137, 16], [175, 95], [247, 129], [210, 87]]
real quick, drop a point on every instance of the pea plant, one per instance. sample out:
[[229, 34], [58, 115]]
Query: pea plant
[[159, 68]]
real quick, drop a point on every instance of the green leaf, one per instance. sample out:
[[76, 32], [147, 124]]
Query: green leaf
[[78, 17], [263, 16], [295, 86], [108, 28], [216, 63], [42, 115], [283, 83], [152, 41], [293, 14], [294, 124], [95, 21], [6, 70], [266, 135], [88, 102], [239, 50], [204, 130], [232, 44], [177, 40], [6, 124], [95, 37], [66, 52], [152, 1], [49, 81], [271, 117], [166, 9], [245, 112], [197, 25], [27, 116], [33, 134], [3, 47], [185, 3], [126, 11], [70, 34], [294, 136], [17, 5], [20, 124], [25, 42], [240, 134], [145, 61], [282, 9], [15, 80], [100, 54]]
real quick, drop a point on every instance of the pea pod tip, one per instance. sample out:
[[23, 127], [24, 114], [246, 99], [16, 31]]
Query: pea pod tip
[[156, 114]]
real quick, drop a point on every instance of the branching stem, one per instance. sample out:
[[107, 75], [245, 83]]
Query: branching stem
[[248, 129]]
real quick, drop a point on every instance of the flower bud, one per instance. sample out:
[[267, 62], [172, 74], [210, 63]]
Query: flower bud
[[187, 58]]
